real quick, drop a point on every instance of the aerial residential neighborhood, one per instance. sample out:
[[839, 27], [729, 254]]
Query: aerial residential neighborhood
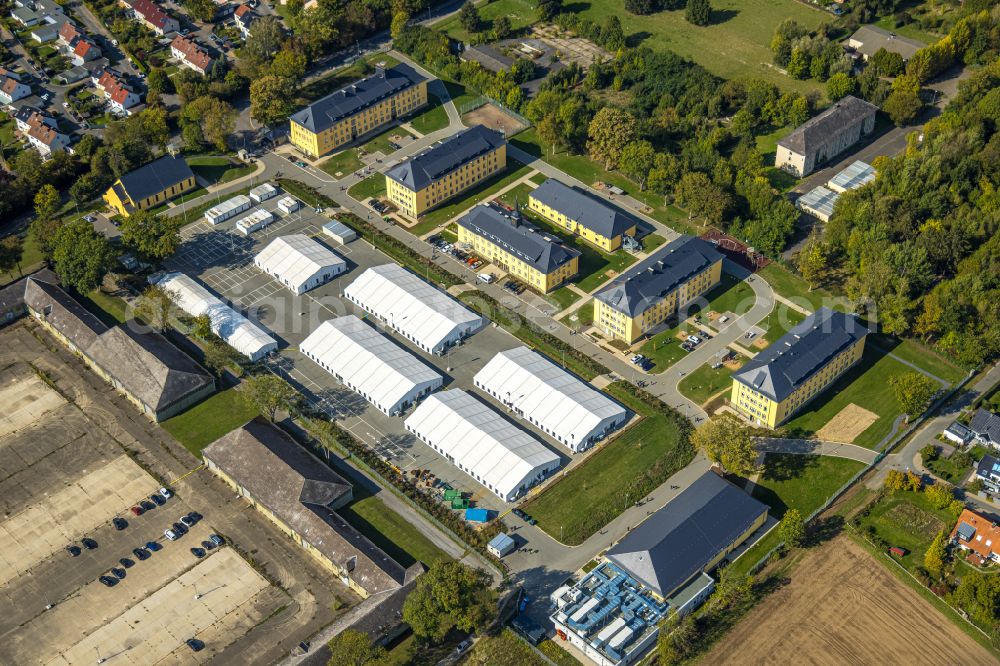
[[500, 332]]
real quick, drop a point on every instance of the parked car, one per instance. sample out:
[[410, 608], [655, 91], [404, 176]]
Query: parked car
[[147, 505], [180, 528], [74, 551], [127, 563], [108, 581], [118, 572], [216, 539], [119, 523], [171, 535], [88, 543], [198, 552], [207, 545], [156, 499], [693, 339], [153, 546], [140, 554], [136, 511], [486, 278], [195, 644], [187, 522], [195, 516]]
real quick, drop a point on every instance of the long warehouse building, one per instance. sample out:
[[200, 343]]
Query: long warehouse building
[[562, 405], [299, 262], [482, 443], [421, 313], [235, 330], [369, 363]]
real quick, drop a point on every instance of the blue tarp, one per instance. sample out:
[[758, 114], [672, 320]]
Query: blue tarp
[[477, 515]]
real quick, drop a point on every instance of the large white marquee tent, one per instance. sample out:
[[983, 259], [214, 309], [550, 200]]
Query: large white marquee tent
[[562, 405], [299, 262], [371, 364], [482, 443], [236, 330], [420, 312]]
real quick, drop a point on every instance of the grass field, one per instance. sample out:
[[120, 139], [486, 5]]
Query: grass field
[[217, 169], [591, 495], [341, 77], [779, 321], [584, 315], [381, 142], [794, 288], [209, 420], [520, 12], [31, 260], [432, 119], [864, 385], [734, 45], [705, 382], [907, 520], [562, 298], [929, 360], [792, 481], [345, 163], [109, 309], [372, 186]]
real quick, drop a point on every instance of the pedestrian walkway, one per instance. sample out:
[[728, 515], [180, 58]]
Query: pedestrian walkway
[[817, 447], [795, 306]]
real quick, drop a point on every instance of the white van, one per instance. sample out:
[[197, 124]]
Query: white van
[[486, 278]]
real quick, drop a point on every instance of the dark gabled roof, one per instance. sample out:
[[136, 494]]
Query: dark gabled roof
[[988, 467], [487, 56], [539, 250], [966, 531], [438, 161], [155, 177], [646, 283], [584, 208], [678, 541], [143, 363], [985, 424], [299, 489], [799, 354], [361, 94], [813, 133]]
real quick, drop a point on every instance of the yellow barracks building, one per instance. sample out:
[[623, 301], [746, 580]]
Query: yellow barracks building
[[150, 186], [356, 110], [518, 248], [643, 297], [582, 213], [798, 366], [434, 176]]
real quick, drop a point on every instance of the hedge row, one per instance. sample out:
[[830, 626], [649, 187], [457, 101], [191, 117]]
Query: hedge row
[[307, 193]]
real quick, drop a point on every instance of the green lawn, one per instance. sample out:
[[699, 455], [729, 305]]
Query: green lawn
[[432, 119], [584, 315], [508, 644], [562, 298], [596, 491], [517, 195], [345, 163], [381, 142], [907, 520], [794, 288], [865, 385], [372, 186], [652, 241], [910, 31], [734, 45], [730, 295], [209, 420], [193, 194], [779, 321], [110, 309], [929, 360], [520, 12], [31, 260], [664, 349], [705, 382], [217, 169], [339, 78], [792, 481], [390, 531]]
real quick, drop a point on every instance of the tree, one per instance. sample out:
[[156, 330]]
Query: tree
[[155, 308], [290, 64], [840, 85], [201, 327], [792, 528], [609, 132], [548, 9], [152, 236], [203, 10], [159, 82], [894, 481], [81, 255], [399, 21], [886, 63], [637, 159], [799, 64], [354, 648], [271, 99], [727, 441], [939, 495], [677, 638], [11, 250], [450, 595], [914, 391], [269, 394], [814, 260], [502, 27], [698, 12], [265, 39], [702, 197], [902, 106], [469, 17], [47, 202], [640, 7], [215, 118], [935, 555]]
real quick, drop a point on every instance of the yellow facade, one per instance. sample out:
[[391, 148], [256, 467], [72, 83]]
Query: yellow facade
[[516, 267], [762, 410], [628, 328], [124, 205], [364, 121], [573, 227], [418, 202]]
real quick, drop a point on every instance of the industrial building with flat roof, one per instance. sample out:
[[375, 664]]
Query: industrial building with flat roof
[[435, 175], [520, 249], [556, 401], [482, 443], [818, 202], [150, 185], [299, 262], [420, 312], [369, 363], [797, 367], [235, 330], [870, 39], [613, 613], [357, 109], [227, 209], [582, 213], [159, 379], [301, 496], [855, 175], [650, 292]]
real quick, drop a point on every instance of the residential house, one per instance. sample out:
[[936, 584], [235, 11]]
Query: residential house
[[827, 135], [112, 84], [582, 214], [957, 433], [988, 471], [152, 16], [244, 16], [151, 185], [11, 89], [869, 39], [978, 534], [37, 12], [28, 117], [76, 45], [357, 109], [190, 54], [47, 139], [796, 368], [985, 427], [439, 173]]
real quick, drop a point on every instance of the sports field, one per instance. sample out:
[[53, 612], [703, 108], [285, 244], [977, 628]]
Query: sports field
[[844, 607]]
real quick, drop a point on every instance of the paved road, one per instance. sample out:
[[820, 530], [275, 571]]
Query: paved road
[[817, 447]]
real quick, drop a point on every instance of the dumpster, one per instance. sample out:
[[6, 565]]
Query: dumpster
[[477, 515], [460, 503], [451, 494]]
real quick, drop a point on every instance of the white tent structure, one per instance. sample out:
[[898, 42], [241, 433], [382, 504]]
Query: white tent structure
[[482, 443], [299, 262], [421, 313], [539, 391], [236, 330], [369, 363]]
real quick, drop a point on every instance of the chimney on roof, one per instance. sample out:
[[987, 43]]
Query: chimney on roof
[[380, 69]]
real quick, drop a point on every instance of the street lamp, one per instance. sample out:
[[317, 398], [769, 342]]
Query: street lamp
[[199, 595]]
